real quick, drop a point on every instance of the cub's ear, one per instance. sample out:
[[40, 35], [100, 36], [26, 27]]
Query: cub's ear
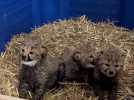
[[44, 51]]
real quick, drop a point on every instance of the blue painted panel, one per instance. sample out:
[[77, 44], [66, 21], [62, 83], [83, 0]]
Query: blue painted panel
[[97, 10], [21, 15], [15, 17], [50, 10], [45, 11], [36, 13], [127, 14]]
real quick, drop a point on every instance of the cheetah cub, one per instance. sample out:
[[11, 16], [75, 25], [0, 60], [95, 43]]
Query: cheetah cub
[[106, 74]]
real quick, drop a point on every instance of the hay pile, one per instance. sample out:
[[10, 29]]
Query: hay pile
[[58, 35]]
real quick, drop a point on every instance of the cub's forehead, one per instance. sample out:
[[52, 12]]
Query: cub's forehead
[[30, 43], [113, 54]]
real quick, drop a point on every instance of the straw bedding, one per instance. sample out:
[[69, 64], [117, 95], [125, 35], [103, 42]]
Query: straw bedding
[[70, 33]]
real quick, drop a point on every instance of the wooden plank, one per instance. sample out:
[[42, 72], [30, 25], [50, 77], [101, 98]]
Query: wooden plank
[[4, 97]]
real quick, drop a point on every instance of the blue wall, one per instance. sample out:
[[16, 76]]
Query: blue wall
[[15, 16], [127, 14], [22, 15], [97, 10]]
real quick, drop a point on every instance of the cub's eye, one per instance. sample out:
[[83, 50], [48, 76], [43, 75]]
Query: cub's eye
[[107, 64], [105, 70], [121, 65], [91, 56], [31, 52], [22, 50], [116, 66]]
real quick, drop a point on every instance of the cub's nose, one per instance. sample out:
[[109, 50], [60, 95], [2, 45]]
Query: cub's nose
[[111, 73], [29, 58], [24, 57]]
